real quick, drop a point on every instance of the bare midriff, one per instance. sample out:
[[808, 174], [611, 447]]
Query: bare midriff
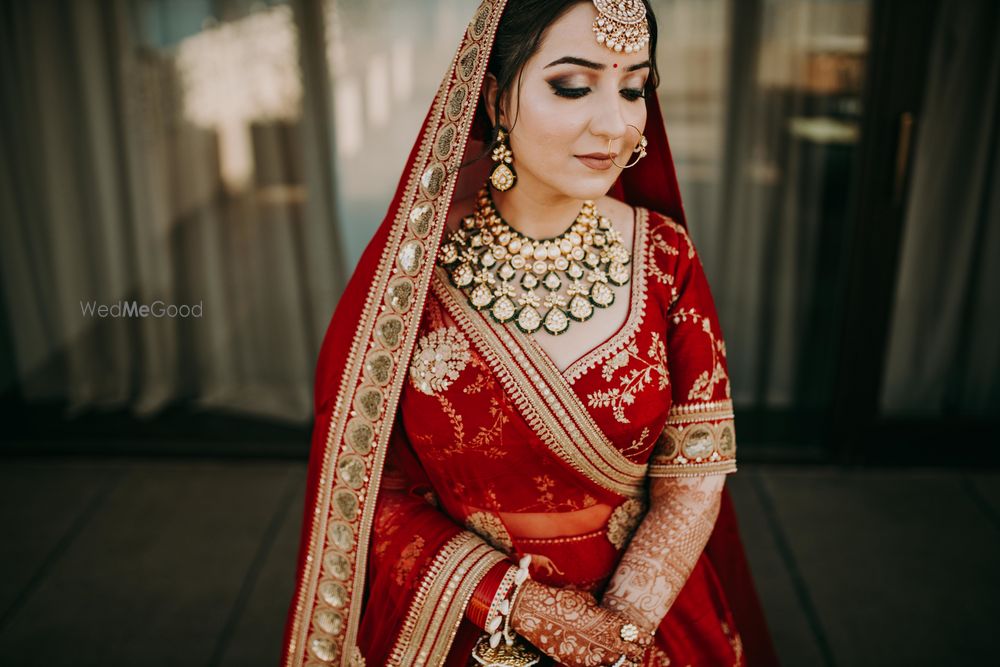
[[555, 524]]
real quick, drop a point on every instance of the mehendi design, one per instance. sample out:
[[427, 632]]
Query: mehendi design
[[568, 625], [665, 547]]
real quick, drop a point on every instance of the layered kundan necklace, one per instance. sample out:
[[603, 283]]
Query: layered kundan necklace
[[536, 283]]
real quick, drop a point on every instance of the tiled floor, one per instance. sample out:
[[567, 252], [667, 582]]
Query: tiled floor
[[191, 563]]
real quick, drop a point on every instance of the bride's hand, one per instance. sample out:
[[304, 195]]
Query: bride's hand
[[571, 627]]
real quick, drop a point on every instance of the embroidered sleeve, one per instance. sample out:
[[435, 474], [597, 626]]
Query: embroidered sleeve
[[699, 436]]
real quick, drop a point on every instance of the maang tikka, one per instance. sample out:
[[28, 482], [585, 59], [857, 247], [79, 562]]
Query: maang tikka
[[503, 177], [621, 25]]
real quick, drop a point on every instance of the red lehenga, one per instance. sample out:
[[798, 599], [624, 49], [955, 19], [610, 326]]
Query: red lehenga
[[446, 445]]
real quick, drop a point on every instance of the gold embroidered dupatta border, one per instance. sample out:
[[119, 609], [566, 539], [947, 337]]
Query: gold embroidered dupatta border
[[547, 401], [439, 604], [363, 412]]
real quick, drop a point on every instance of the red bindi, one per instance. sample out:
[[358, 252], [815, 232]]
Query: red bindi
[[615, 65]]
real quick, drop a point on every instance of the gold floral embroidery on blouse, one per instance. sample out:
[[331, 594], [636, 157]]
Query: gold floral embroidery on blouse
[[638, 444], [704, 384], [440, 356], [632, 381], [487, 441], [659, 244]]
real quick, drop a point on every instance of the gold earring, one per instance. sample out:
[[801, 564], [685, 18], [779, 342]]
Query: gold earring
[[503, 177], [639, 147]]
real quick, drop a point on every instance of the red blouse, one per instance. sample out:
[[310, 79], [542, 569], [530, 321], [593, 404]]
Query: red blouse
[[533, 460]]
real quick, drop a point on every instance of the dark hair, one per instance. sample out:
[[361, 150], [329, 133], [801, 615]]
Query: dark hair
[[519, 35]]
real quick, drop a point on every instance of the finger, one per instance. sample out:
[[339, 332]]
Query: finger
[[634, 655], [632, 652], [635, 652], [624, 660]]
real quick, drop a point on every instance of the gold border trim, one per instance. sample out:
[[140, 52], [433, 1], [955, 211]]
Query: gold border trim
[[439, 604], [691, 412], [370, 362], [715, 416], [692, 469]]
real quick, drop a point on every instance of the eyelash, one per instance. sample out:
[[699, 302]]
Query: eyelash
[[631, 94]]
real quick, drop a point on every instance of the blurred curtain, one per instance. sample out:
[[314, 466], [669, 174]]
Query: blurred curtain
[[385, 59], [762, 103], [943, 358], [154, 152], [204, 152]]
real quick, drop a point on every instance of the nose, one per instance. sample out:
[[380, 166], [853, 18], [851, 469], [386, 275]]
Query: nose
[[609, 122]]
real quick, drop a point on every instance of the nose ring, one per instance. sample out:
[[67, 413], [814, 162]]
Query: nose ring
[[640, 147]]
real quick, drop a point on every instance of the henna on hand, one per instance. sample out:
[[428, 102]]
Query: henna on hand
[[665, 548], [571, 627]]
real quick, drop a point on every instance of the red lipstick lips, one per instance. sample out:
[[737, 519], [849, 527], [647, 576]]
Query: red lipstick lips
[[598, 161]]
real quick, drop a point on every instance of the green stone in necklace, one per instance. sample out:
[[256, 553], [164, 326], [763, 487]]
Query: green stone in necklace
[[536, 283]]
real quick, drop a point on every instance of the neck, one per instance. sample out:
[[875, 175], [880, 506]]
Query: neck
[[536, 212]]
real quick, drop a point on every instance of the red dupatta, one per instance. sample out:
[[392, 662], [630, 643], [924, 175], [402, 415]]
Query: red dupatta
[[368, 346]]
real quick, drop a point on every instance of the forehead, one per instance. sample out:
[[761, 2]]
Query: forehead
[[572, 34]]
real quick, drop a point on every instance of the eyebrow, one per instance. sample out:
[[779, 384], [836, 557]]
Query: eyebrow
[[573, 60]]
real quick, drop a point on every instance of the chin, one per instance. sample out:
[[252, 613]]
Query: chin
[[592, 191], [584, 188]]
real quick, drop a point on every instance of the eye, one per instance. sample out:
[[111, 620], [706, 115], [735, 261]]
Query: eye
[[563, 91], [631, 94]]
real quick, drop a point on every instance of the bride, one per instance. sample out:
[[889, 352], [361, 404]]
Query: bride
[[523, 413]]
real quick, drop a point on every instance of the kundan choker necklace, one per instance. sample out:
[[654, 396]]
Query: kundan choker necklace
[[536, 283]]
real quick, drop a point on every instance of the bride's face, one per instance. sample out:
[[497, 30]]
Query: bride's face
[[575, 96]]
